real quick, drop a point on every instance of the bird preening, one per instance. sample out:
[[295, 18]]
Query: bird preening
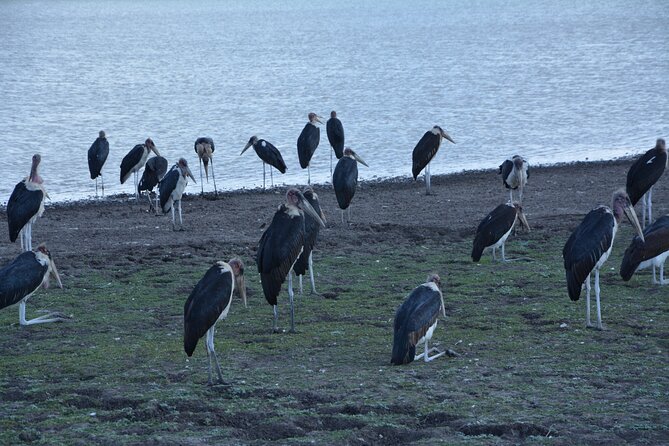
[[204, 147], [496, 227], [269, 154], [652, 251], [154, 171], [415, 321], [515, 173], [335, 132], [643, 174], [171, 189], [280, 246], [97, 155], [135, 160], [210, 302], [590, 245], [25, 205], [345, 180], [308, 141], [425, 150], [23, 276]]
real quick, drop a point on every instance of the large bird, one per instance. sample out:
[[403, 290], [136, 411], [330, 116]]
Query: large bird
[[171, 188], [651, 252], [97, 155], [311, 229], [308, 141], [204, 147], [268, 154], [590, 245], [154, 171], [415, 321], [210, 302], [424, 152], [135, 160], [25, 205], [643, 174], [335, 132], [495, 228], [280, 246], [23, 276], [515, 173], [345, 180]]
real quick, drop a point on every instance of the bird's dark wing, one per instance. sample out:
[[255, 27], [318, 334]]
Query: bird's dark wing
[[23, 205], [644, 173], [130, 160], [412, 320], [492, 228], [505, 169], [167, 185], [204, 139], [585, 246], [154, 171], [271, 155], [279, 247], [97, 155], [424, 152], [20, 278], [335, 131], [657, 242], [307, 143], [345, 181], [210, 297], [311, 230]]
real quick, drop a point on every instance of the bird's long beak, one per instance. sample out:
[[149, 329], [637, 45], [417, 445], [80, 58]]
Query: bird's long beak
[[240, 284], [318, 118], [306, 207], [360, 160], [443, 305], [248, 144], [523, 220], [55, 275], [445, 135], [323, 217], [190, 174], [155, 150], [631, 216]]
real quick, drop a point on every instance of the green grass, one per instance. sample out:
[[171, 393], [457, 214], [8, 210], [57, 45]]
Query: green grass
[[528, 370]]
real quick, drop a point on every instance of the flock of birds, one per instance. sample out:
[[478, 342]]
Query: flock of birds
[[286, 245]]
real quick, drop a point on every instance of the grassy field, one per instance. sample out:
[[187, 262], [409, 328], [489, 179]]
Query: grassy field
[[528, 370]]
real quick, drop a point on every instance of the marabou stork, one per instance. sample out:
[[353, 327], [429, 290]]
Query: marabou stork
[[495, 228], [415, 321], [643, 174], [154, 171], [25, 205], [204, 147], [515, 173], [345, 180], [308, 141], [21, 278], [97, 155], [135, 159], [280, 246], [210, 302], [590, 245], [171, 188], [424, 152], [268, 154], [654, 251], [335, 131], [311, 229]]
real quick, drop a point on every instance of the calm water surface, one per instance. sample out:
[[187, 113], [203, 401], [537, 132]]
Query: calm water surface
[[552, 80]]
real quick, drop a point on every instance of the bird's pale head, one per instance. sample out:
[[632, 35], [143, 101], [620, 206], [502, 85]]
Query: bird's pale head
[[333, 114], [52, 270], [434, 278], [314, 118], [312, 197], [238, 271], [439, 131], [660, 144], [622, 205], [522, 220], [185, 170]]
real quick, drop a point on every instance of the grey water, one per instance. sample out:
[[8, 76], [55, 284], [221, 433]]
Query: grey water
[[555, 81]]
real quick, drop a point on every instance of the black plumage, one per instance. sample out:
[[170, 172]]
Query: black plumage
[[311, 230], [495, 228], [268, 153], [130, 160], [515, 173], [656, 243], [335, 132], [97, 155], [345, 181], [415, 320], [308, 141], [24, 204], [645, 171], [425, 150], [166, 186], [154, 170]]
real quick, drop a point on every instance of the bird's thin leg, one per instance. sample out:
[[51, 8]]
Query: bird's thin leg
[[148, 197], [136, 192], [650, 205], [330, 163], [210, 381], [201, 182], [348, 210], [213, 177], [29, 242], [654, 277], [643, 210], [23, 244], [662, 281], [271, 176], [96, 186], [157, 202], [427, 179], [587, 302], [427, 356], [299, 280], [210, 347], [520, 199], [417, 357], [181, 221], [342, 216], [503, 256], [311, 273], [292, 307], [174, 225], [263, 175], [308, 174], [599, 309], [494, 257], [275, 324], [102, 180], [51, 317]]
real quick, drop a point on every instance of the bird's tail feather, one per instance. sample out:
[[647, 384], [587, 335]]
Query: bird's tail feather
[[403, 350]]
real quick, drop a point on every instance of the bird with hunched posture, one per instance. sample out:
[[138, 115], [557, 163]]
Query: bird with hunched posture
[[97, 155], [496, 227], [590, 245], [204, 147], [335, 132], [415, 321], [643, 174], [425, 150], [268, 154], [653, 251], [515, 173], [308, 141], [311, 229], [210, 302], [25, 205], [154, 171], [23, 276], [135, 160], [171, 188], [345, 180], [280, 246]]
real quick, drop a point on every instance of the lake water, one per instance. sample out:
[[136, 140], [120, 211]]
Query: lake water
[[552, 80]]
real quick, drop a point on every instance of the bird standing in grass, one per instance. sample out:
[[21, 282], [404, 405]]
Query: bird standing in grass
[[652, 251], [643, 174], [495, 228], [311, 229]]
